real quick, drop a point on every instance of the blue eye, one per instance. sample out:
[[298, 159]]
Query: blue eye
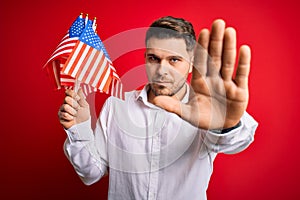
[[174, 60]]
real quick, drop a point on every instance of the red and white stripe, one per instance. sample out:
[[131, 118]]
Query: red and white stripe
[[117, 88], [58, 59], [90, 66], [64, 48]]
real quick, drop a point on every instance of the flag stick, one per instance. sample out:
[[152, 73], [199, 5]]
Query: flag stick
[[76, 85], [94, 24]]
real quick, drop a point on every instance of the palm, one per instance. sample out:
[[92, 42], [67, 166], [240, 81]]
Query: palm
[[216, 103]]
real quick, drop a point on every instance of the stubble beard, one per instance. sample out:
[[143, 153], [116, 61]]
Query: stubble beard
[[160, 90]]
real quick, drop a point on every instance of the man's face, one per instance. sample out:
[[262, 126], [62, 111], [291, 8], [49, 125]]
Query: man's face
[[168, 64]]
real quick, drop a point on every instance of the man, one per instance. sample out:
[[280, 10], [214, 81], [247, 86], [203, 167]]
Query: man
[[160, 143]]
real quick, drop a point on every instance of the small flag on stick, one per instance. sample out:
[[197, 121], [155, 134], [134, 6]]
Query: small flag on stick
[[82, 57]]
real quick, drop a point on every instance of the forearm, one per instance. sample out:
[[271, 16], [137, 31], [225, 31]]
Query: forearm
[[80, 149], [235, 140]]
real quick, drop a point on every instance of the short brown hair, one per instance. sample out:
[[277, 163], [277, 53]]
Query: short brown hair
[[171, 27]]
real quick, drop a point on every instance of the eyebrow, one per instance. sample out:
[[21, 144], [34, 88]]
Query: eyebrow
[[151, 54], [171, 56]]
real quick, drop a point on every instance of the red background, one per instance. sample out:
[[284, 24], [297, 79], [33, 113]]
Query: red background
[[33, 164]]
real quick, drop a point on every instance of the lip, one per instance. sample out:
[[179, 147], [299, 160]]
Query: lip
[[162, 83], [158, 82]]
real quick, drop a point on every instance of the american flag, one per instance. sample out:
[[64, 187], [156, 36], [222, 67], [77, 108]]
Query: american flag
[[81, 55], [62, 52]]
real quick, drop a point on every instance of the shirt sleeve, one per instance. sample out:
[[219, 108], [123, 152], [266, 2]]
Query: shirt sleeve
[[233, 141], [86, 150]]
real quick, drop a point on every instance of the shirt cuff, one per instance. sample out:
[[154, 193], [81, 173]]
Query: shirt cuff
[[80, 132], [223, 131], [246, 122]]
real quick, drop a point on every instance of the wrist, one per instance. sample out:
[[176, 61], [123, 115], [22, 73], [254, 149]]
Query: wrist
[[226, 130]]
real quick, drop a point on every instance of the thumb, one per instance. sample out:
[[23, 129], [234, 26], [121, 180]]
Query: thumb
[[82, 101], [185, 111], [170, 104]]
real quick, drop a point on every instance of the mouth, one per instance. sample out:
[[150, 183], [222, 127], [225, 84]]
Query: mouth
[[162, 83], [159, 81]]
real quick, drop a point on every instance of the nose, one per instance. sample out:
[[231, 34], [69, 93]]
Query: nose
[[163, 67]]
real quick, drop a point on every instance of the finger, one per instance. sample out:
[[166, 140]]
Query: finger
[[175, 106], [229, 54], [69, 109], [72, 93], [216, 47], [72, 102], [243, 69], [168, 103], [64, 116], [82, 102], [201, 54]]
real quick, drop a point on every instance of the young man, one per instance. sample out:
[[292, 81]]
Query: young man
[[160, 143]]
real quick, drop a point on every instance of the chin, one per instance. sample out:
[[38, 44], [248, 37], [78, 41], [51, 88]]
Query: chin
[[159, 90], [163, 92]]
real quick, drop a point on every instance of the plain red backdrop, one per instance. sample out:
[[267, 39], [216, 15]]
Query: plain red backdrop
[[33, 165]]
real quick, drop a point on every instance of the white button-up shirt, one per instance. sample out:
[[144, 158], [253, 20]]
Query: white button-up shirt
[[150, 153]]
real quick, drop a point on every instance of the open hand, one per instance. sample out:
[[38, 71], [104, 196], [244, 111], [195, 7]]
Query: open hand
[[217, 99]]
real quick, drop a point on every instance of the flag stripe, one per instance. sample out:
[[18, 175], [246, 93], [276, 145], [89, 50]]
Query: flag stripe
[[78, 58], [84, 51], [61, 48], [92, 67], [99, 70], [85, 62], [103, 78], [90, 60], [68, 43], [60, 54], [95, 65], [112, 88], [117, 88], [68, 80], [68, 40], [116, 75], [97, 76], [107, 84], [55, 67], [72, 58]]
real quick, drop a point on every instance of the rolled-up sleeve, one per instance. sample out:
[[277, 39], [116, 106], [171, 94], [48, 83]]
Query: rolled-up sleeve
[[234, 141]]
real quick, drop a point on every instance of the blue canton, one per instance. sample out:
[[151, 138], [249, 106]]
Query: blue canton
[[89, 37], [77, 27]]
